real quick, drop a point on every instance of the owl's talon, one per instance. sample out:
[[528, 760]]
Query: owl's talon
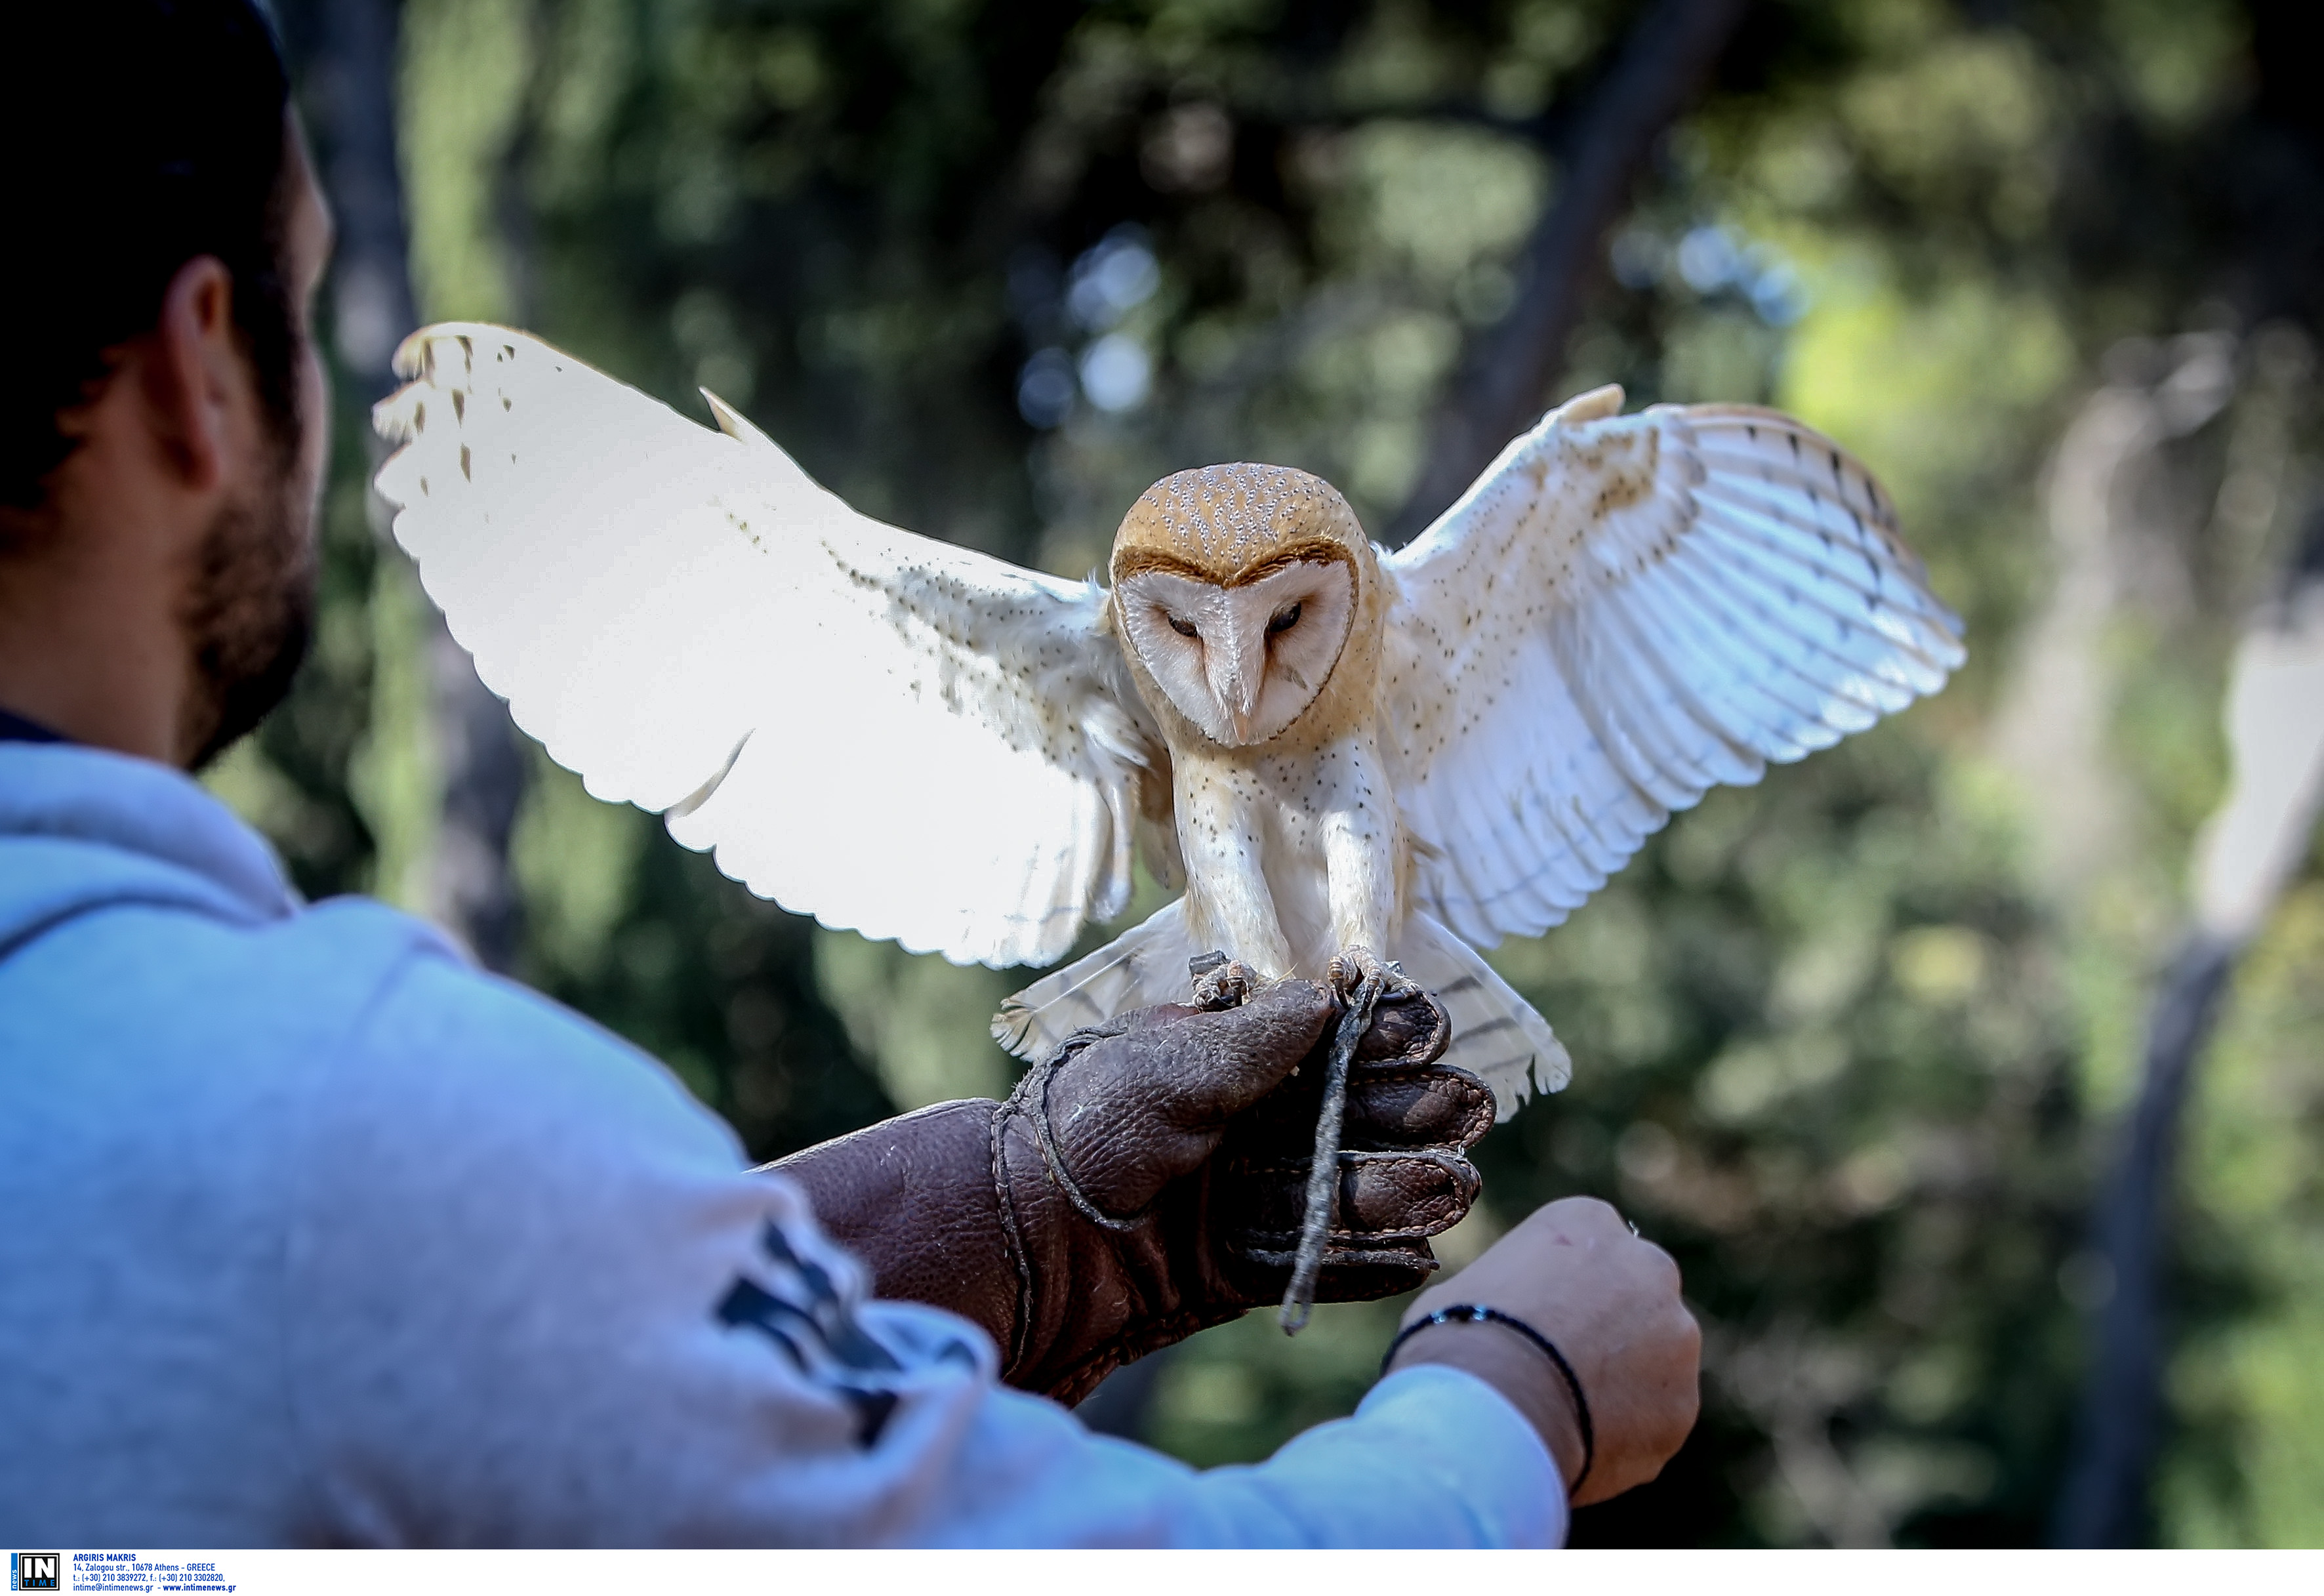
[[1355, 967], [1224, 985]]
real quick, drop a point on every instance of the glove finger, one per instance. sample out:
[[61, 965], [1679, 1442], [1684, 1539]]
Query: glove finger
[[1363, 1274], [1442, 1105], [1156, 1016], [1410, 1026], [1140, 1106], [1219, 1063], [1404, 1194], [1390, 1274], [1388, 1107]]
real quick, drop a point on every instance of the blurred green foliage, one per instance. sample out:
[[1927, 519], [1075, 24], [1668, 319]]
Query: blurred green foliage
[[1843, 1041]]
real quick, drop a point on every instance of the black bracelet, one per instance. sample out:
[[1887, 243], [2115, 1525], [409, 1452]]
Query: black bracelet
[[1469, 1313]]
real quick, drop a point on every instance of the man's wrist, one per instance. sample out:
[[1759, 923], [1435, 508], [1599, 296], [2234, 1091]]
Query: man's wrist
[[1504, 1361]]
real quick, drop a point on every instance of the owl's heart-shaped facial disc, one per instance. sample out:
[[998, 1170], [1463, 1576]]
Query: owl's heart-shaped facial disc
[[1240, 662]]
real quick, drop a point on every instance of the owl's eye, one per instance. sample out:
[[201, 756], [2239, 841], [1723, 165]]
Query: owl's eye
[[1182, 626], [1285, 620]]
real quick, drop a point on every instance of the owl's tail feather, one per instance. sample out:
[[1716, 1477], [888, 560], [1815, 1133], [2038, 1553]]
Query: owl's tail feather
[[1145, 964], [1497, 1035]]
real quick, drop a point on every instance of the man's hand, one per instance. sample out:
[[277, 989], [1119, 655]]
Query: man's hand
[[1148, 1181], [1574, 1271]]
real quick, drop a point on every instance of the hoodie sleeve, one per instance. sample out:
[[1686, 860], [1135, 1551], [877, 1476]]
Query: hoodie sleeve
[[531, 1296]]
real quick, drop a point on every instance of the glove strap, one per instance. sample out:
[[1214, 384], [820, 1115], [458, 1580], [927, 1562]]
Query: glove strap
[[1031, 1100], [1030, 1103], [1011, 1236], [1469, 1313]]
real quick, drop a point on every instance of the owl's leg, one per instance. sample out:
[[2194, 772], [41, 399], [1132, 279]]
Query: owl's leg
[[1221, 838], [1358, 829], [1359, 836]]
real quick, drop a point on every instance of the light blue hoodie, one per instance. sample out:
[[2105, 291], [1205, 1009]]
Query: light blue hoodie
[[310, 1233]]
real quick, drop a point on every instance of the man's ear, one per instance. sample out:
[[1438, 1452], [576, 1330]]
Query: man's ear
[[195, 378]]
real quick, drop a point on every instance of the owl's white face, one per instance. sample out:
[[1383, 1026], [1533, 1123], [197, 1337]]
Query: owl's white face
[[1240, 662]]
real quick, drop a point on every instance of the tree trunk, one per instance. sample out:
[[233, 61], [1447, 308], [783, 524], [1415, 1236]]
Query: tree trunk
[[1503, 382], [2103, 1500], [349, 66]]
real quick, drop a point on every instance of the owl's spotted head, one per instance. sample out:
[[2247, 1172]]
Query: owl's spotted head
[[1235, 586]]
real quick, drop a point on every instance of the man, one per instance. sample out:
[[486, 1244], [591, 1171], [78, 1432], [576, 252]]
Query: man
[[315, 1234]]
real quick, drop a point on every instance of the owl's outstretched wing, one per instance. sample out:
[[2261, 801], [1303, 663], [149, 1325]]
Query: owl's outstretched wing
[[894, 734], [1620, 614]]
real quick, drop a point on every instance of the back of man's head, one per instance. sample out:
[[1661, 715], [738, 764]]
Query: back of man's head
[[139, 134]]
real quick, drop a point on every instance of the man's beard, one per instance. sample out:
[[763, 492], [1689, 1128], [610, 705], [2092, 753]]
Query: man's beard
[[250, 610]]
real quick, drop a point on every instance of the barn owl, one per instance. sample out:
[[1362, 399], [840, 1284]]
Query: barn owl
[[1336, 750]]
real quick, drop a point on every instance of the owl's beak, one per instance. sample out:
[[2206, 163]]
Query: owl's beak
[[1235, 660], [1237, 691], [1243, 706]]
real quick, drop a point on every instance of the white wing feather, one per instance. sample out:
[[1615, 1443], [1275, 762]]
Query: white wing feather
[[1622, 612], [893, 734]]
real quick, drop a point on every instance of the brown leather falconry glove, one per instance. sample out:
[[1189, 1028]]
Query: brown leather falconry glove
[[1147, 1181]]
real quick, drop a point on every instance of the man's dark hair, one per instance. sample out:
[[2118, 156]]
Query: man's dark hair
[[135, 135]]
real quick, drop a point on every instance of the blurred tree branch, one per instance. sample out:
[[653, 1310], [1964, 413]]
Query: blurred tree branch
[[2252, 848], [347, 51], [2103, 1501], [350, 50], [1498, 390]]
